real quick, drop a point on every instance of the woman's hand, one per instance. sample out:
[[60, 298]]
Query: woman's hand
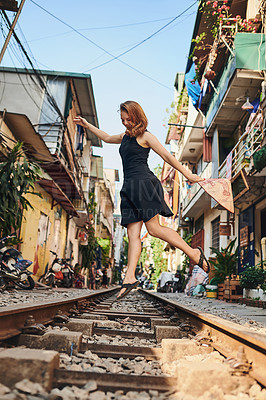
[[193, 178], [81, 121]]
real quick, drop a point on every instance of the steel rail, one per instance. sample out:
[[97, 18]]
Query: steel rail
[[12, 318], [226, 336]]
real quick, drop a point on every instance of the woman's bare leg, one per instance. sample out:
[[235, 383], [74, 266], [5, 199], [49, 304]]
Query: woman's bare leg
[[134, 250], [173, 238]]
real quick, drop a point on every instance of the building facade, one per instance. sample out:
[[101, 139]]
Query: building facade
[[37, 108], [224, 135]]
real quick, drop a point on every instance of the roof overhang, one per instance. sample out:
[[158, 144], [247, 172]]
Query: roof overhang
[[201, 201], [58, 195], [84, 92], [22, 129]]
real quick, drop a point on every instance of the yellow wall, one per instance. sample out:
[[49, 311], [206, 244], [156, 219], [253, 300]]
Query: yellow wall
[[39, 253]]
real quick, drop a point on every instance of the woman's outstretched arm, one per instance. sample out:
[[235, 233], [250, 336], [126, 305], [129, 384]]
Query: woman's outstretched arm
[[98, 132], [154, 143]]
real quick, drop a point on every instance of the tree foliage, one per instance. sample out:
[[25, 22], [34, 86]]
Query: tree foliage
[[89, 251], [105, 245], [17, 178], [187, 238], [160, 263], [253, 276]]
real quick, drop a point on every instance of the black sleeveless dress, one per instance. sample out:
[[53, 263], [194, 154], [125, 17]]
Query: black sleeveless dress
[[142, 194]]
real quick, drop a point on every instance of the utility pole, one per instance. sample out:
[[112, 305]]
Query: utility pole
[[10, 6]]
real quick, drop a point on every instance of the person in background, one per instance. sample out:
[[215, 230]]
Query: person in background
[[109, 274], [104, 280], [92, 275], [78, 277]]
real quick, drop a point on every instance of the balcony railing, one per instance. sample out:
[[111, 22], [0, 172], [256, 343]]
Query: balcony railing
[[247, 145], [81, 204], [206, 173]]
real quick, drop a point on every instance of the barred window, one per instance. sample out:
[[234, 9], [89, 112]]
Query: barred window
[[215, 233]]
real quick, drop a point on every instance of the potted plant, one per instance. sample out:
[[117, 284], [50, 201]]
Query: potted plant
[[225, 261], [252, 279], [224, 265]]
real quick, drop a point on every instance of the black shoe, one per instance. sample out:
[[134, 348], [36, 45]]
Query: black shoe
[[129, 287], [203, 258]]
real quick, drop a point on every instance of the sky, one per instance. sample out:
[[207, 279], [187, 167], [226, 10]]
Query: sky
[[113, 26]]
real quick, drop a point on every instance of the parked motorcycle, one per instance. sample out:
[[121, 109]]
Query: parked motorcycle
[[13, 267], [170, 283], [59, 274], [68, 274]]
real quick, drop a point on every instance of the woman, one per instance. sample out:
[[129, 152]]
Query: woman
[[142, 197]]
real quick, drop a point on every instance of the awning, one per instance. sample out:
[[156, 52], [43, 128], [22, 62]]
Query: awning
[[60, 174], [22, 129], [58, 195]]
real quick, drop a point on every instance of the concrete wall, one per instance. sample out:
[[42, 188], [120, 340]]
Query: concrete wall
[[209, 216], [15, 87], [71, 238]]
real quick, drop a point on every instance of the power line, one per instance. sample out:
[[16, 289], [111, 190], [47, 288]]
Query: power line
[[102, 28], [147, 38], [44, 86], [106, 51]]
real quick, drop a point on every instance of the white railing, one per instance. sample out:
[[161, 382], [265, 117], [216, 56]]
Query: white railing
[[206, 173], [248, 143]]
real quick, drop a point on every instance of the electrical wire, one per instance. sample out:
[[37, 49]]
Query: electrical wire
[[110, 54], [146, 39], [39, 77], [29, 49], [43, 85], [133, 44], [100, 28]]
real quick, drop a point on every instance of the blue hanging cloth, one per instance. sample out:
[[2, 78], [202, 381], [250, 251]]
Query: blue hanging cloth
[[192, 85], [256, 104], [80, 138]]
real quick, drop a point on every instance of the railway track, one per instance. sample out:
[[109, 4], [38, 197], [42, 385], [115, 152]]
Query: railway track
[[144, 347]]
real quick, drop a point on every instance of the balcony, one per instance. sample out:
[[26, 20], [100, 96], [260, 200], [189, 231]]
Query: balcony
[[196, 198], [240, 77], [244, 150], [244, 175]]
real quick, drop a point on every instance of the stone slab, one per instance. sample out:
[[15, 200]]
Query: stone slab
[[160, 322], [175, 349], [107, 324], [92, 316], [165, 332], [62, 341], [80, 325], [198, 376], [36, 365]]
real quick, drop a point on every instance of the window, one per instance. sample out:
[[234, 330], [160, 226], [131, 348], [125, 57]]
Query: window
[[215, 233], [199, 223]]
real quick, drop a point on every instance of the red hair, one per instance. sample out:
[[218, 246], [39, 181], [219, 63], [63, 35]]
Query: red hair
[[138, 119]]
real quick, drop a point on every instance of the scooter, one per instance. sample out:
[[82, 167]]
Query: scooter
[[13, 267], [59, 274], [68, 274]]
